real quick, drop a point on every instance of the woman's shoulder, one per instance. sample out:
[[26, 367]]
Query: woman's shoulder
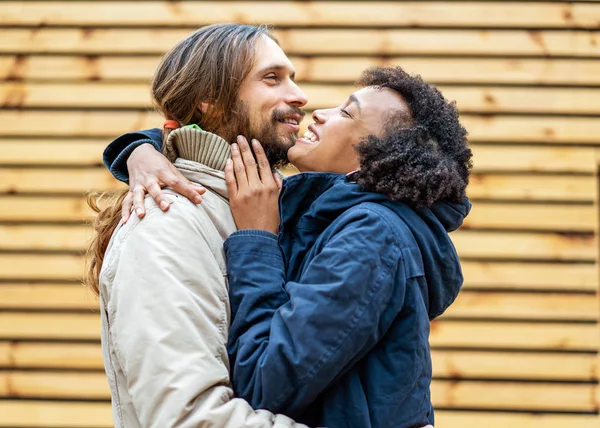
[[377, 220]]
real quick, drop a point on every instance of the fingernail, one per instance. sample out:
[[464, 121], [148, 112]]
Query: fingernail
[[197, 199], [234, 147], [255, 142], [164, 205], [138, 211], [240, 139]]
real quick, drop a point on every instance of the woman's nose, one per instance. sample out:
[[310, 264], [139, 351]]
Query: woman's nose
[[318, 116]]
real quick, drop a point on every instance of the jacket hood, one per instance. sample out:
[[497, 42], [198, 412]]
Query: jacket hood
[[316, 199]]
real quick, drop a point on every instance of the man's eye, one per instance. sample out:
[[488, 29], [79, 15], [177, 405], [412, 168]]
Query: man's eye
[[271, 76]]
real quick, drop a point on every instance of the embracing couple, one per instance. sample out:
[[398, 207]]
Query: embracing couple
[[233, 298]]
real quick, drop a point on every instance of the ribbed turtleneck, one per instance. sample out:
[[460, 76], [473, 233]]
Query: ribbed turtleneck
[[198, 146]]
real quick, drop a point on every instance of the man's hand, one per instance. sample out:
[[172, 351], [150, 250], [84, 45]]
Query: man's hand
[[253, 188], [149, 172]]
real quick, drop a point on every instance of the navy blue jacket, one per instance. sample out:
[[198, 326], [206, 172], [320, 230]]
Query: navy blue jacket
[[330, 319], [330, 324], [116, 153]]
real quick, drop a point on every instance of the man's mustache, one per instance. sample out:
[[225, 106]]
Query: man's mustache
[[282, 114]]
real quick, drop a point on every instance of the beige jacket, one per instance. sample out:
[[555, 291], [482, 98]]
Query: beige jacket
[[165, 307]]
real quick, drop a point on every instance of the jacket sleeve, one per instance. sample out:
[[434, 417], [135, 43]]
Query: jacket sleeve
[[116, 153], [289, 340], [168, 325]]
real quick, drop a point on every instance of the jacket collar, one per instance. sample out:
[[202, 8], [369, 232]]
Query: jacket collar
[[197, 145]]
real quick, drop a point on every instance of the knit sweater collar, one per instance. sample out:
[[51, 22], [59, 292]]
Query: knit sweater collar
[[197, 145]]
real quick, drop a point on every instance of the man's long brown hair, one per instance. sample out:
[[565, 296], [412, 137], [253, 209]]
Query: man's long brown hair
[[207, 67]]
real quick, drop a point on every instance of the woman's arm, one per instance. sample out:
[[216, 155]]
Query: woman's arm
[[289, 340], [135, 158], [117, 153]]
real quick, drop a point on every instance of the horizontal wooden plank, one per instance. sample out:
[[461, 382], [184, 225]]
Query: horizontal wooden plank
[[469, 99], [313, 14], [47, 296], [444, 333], [478, 274], [49, 355], [65, 414], [44, 237], [532, 187], [52, 152], [32, 384], [533, 306], [55, 208], [522, 157], [532, 129], [458, 419], [483, 129], [55, 414], [462, 394], [514, 335], [531, 276], [446, 364], [49, 326], [559, 217], [514, 365], [36, 267], [486, 158], [481, 186], [549, 71], [469, 304], [514, 396], [525, 246], [92, 41], [469, 243]]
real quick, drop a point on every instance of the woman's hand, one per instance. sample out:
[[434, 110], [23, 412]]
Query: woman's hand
[[253, 189], [149, 172]]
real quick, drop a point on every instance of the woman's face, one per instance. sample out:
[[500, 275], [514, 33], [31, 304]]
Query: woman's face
[[328, 145]]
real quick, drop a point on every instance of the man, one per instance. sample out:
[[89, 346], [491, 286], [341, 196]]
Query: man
[[270, 111], [161, 281]]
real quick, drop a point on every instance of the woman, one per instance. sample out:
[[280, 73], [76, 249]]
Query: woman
[[331, 308]]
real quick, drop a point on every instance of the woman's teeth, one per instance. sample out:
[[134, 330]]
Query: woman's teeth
[[310, 136]]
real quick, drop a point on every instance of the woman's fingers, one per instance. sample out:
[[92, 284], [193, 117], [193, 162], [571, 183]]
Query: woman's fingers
[[155, 191], [249, 162], [264, 167], [238, 167], [230, 179], [126, 206], [139, 192], [278, 180]]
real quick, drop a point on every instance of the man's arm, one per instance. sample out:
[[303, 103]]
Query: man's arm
[[168, 325], [289, 341]]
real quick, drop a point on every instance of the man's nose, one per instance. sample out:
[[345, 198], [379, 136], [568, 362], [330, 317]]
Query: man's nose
[[296, 96]]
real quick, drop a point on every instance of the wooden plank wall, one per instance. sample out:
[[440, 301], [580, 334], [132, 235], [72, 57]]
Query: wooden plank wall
[[520, 346]]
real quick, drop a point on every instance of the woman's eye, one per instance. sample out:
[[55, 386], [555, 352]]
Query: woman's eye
[[345, 112]]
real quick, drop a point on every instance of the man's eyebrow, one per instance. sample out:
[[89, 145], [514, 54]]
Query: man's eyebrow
[[277, 67], [352, 98]]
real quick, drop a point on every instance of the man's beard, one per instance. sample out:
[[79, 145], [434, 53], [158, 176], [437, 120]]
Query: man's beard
[[274, 144]]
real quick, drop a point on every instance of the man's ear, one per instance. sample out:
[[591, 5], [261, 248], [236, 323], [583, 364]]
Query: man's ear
[[204, 107]]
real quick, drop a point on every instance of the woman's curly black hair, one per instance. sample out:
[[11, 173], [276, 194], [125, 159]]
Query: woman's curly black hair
[[419, 159]]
